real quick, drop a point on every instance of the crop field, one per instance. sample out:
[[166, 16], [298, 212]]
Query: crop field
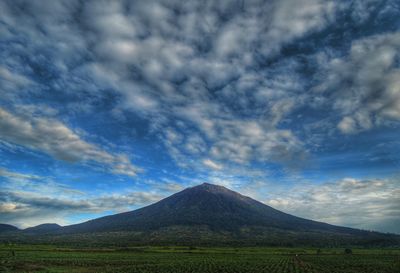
[[30, 258]]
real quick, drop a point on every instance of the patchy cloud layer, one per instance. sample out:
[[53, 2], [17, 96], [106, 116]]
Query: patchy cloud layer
[[103, 96], [365, 85]]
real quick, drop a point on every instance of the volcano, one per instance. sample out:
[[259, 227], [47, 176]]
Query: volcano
[[212, 214], [209, 205]]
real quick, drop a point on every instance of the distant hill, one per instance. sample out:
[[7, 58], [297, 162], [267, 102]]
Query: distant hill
[[6, 227], [211, 215], [43, 228]]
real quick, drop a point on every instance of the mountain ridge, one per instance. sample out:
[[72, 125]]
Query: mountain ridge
[[43, 228]]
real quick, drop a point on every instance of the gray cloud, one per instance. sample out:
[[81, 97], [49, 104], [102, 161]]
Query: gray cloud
[[56, 139], [12, 80], [365, 85], [29, 200], [26, 208], [366, 204]]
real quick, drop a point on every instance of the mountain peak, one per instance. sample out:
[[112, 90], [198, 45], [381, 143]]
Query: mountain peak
[[210, 186]]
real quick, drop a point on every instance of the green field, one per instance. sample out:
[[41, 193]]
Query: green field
[[30, 258]]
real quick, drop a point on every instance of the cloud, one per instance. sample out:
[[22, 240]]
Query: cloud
[[9, 174], [364, 86], [347, 125], [54, 138], [244, 141], [366, 204], [199, 66], [44, 185], [294, 19], [28, 199], [11, 81], [167, 185], [211, 164], [27, 208]]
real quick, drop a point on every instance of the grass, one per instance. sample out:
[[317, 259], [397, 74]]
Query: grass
[[42, 258]]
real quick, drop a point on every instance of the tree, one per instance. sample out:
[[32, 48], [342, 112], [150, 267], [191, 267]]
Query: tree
[[348, 251]]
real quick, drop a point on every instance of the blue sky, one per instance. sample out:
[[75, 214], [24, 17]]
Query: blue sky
[[107, 106]]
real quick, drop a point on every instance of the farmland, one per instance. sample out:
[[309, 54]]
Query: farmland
[[35, 258]]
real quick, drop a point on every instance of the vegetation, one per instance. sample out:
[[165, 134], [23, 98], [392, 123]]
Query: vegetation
[[175, 259], [203, 236]]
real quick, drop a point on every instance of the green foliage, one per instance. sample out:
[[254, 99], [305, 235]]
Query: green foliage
[[179, 259], [204, 236], [348, 251]]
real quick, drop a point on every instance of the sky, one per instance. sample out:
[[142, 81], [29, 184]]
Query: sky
[[108, 106]]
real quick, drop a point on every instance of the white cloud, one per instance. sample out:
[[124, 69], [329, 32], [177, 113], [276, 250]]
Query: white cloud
[[10, 174], [293, 19], [213, 165], [347, 125], [243, 141], [56, 139]]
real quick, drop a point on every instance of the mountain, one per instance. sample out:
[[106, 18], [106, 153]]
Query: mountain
[[6, 228], [205, 215], [43, 228], [213, 206]]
